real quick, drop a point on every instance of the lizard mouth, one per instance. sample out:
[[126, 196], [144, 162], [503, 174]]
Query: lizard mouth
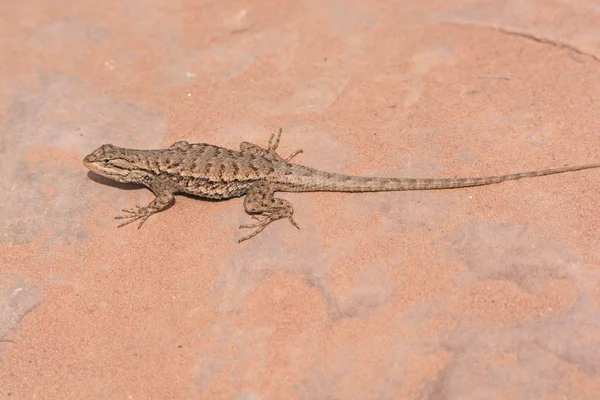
[[88, 160], [103, 169], [92, 164]]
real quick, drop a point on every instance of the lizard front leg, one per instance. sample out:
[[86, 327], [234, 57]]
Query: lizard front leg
[[265, 208], [164, 197]]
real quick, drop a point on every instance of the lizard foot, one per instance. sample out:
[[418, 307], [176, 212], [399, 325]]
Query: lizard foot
[[264, 208], [274, 143], [263, 221], [134, 214]]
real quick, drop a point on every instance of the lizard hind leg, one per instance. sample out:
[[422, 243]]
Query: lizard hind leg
[[265, 208], [271, 149]]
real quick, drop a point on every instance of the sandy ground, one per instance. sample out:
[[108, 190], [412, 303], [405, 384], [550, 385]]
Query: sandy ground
[[480, 293]]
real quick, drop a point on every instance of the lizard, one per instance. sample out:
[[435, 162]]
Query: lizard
[[214, 172]]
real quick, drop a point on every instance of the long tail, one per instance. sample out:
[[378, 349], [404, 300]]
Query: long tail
[[305, 179]]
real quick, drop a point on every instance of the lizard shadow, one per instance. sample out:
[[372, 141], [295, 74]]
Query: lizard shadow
[[136, 186], [109, 182]]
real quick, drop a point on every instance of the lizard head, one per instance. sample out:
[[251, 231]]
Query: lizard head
[[116, 163]]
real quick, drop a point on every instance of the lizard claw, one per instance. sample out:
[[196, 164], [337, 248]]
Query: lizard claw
[[293, 222], [294, 154], [248, 226], [274, 144], [258, 218]]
